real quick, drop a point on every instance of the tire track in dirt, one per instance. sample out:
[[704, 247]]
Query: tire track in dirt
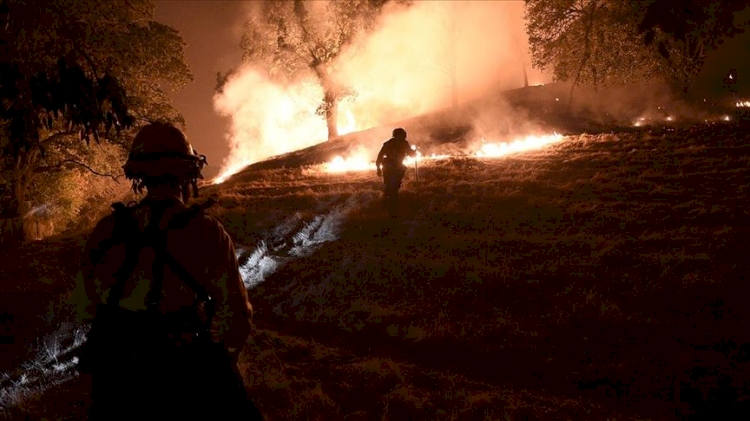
[[296, 237], [54, 364]]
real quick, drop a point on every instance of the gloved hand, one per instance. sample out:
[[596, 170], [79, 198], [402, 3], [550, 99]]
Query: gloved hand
[[380, 172]]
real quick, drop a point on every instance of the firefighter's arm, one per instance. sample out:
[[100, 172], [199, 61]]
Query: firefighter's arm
[[232, 322], [411, 150], [379, 161], [88, 289]]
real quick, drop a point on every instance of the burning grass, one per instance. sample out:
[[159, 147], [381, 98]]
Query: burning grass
[[600, 277]]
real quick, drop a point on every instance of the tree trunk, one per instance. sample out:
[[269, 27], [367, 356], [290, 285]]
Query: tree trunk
[[330, 101], [19, 193], [525, 76], [586, 54], [331, 108]]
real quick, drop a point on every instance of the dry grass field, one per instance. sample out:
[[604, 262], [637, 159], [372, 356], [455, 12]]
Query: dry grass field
[[602, 278]]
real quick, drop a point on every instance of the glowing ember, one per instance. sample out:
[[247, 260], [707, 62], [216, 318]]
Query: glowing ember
[[727, 118], [743, 104], [641, 121], [491, 150]]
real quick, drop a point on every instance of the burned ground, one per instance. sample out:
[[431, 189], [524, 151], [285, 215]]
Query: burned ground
[[601, 278]]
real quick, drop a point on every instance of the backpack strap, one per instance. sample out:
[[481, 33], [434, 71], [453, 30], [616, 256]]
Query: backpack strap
[[164, 257], [158, 240], [124, 225], [126, 231]]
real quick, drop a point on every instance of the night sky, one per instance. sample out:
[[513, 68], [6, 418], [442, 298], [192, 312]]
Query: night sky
[[212, 31]]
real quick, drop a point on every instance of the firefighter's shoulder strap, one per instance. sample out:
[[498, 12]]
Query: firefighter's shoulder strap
[[126, 231]]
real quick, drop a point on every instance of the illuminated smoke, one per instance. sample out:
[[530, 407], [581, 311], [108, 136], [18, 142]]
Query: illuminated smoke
[[399, 70], [267, 118], [52, 366], [40, 210], [403, 68]]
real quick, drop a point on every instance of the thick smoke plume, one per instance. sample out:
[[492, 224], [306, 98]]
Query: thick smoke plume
[[400, 69]]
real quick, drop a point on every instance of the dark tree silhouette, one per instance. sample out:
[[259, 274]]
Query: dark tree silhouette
[[73, 72], [685, 31], [601, 42]]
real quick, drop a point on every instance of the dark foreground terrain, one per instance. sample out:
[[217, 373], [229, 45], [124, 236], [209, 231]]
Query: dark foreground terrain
[[602, 278]]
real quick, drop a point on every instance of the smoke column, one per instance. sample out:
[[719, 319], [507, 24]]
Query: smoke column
[[401, 69]]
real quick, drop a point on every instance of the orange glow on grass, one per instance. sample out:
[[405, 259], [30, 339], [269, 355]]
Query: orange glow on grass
[[495, 150]]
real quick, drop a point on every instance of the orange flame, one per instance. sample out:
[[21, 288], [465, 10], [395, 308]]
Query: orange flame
[[494, 150], [358, 162]]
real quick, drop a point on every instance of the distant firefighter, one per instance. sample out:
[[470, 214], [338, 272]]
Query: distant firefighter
[[390, 166], [168, 309]]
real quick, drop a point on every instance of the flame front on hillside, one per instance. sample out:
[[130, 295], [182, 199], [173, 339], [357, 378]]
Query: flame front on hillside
[[360, 161], [493, 150], [274, 110]]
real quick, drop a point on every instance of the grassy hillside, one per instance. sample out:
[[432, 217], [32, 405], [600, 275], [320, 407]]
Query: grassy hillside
[[601, 278]]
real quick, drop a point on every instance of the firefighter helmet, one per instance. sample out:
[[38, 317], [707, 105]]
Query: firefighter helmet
[[162, 153], [399, 133]]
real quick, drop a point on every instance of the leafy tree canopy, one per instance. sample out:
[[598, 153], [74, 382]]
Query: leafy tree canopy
[[78, 59], [685, 31], [601, 42], [73, 70]]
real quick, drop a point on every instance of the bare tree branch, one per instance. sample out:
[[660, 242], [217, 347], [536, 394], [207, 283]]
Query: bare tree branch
[[59, 167]]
